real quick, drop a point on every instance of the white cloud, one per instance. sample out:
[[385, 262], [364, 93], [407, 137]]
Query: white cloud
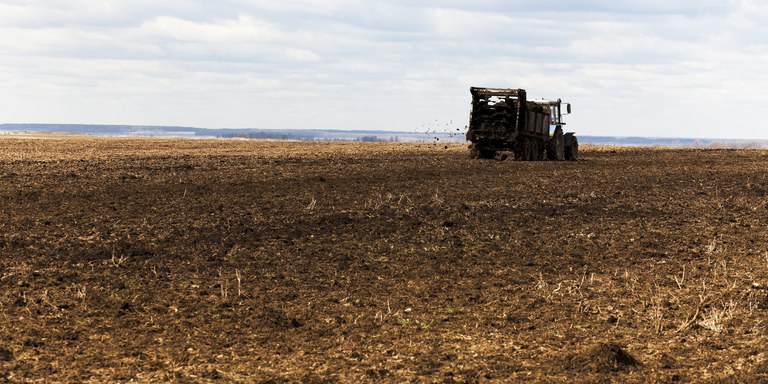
[[630, 67]]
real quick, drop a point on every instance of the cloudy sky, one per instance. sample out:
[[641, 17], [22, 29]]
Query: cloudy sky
[[688, 68]]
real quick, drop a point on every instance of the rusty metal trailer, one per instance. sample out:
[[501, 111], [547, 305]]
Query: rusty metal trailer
[[504, 120]]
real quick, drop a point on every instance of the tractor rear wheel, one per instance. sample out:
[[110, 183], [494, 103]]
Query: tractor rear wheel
[[555, 145], [572, 150]]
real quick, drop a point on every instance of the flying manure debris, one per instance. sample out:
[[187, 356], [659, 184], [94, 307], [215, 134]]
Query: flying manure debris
[[443, 132]]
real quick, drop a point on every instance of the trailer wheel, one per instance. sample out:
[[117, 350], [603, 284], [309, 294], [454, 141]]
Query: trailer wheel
[[529, 149], [487, 154], [525, 149], [541, 150], [479, 153], [572, 150]]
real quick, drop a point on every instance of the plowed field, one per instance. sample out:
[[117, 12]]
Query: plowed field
[[203, 260]]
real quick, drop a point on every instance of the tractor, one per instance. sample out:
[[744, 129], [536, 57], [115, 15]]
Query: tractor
[[504, 121]]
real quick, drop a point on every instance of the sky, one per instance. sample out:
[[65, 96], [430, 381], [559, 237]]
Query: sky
[[687, 68]]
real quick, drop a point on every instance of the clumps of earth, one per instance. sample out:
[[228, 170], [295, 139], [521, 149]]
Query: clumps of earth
[[603, 358]]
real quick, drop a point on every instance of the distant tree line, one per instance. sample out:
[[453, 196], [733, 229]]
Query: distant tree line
[[376, 139], [266, 135]]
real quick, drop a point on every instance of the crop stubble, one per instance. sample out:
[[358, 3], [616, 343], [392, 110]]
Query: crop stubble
[[207, 260]]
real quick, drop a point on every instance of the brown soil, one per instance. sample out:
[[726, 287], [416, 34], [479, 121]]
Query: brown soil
[[203, 260]]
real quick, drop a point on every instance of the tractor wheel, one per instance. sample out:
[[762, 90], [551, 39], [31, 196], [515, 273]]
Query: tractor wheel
[[572, 150], [555, 145]]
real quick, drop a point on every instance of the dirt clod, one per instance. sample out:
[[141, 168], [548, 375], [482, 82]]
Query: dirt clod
[[604, 358], [6, 354], [278, 319]]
